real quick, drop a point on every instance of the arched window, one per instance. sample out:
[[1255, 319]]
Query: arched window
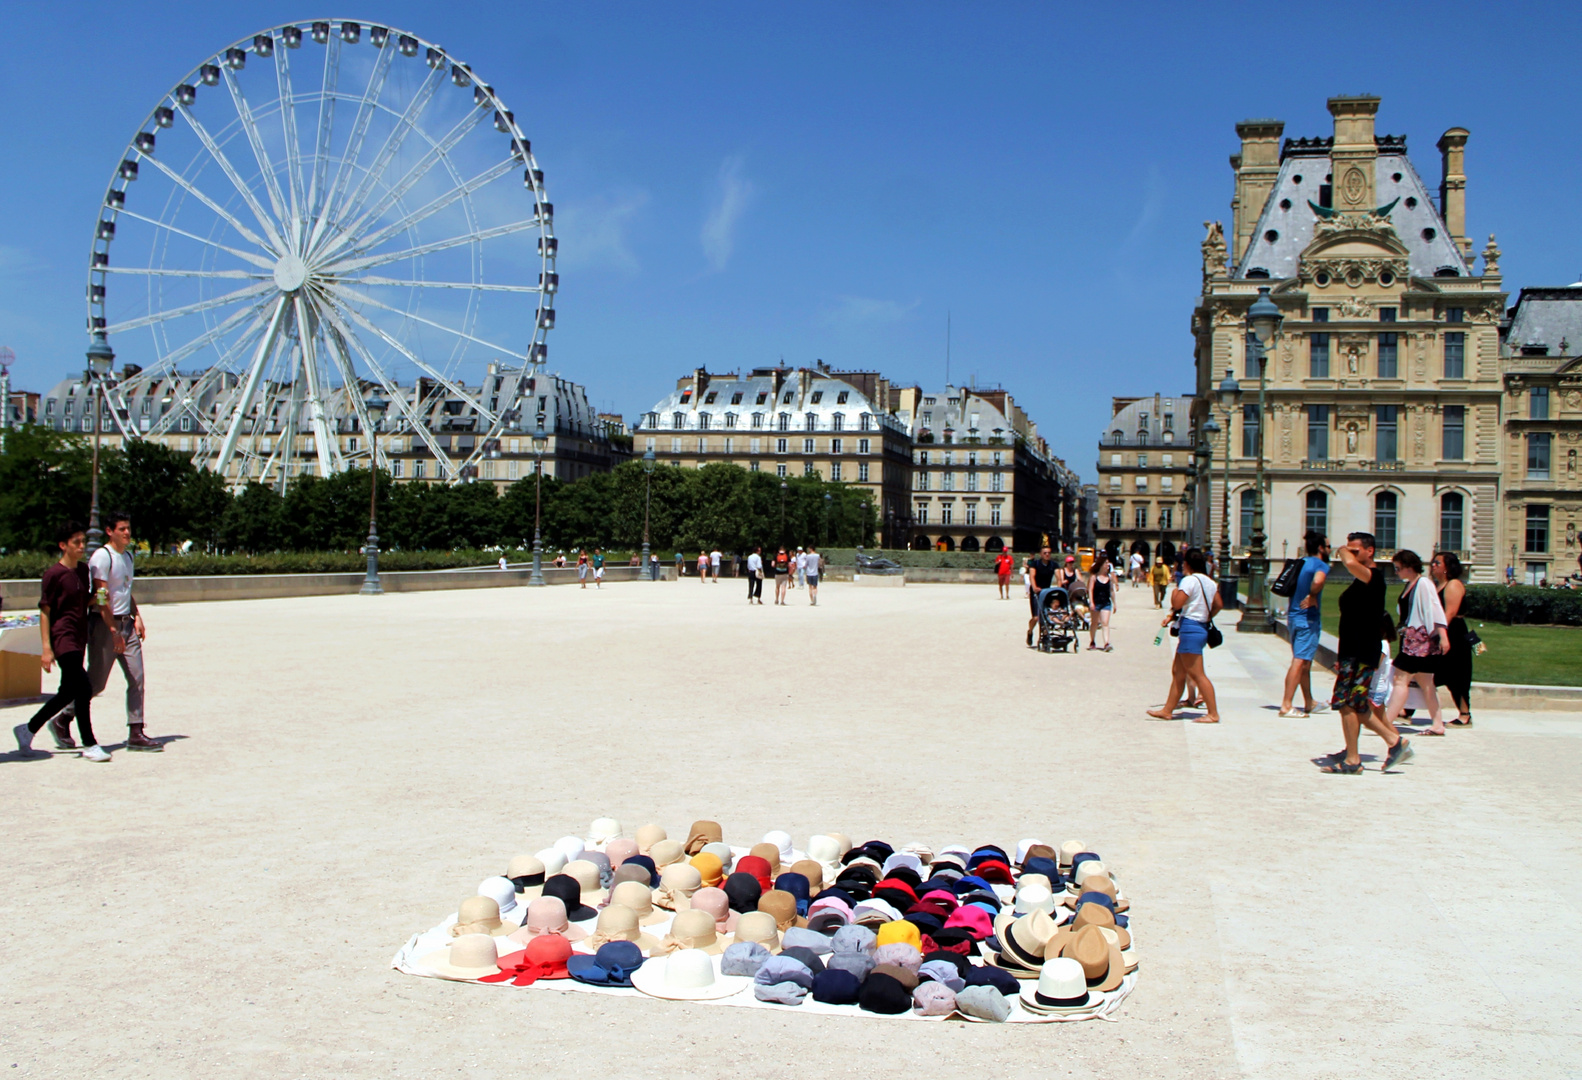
[[994, 543], [1452, 522], [1117, 436], [969, 543], [1246, 517], [1386, 511], [1317, 512]]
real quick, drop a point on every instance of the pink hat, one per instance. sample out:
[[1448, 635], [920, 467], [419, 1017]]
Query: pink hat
[[973, 919], [941, 896], [618, 851], [716, 903], [547, 915]]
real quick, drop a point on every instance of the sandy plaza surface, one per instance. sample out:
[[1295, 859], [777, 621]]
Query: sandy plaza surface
[[342, 771]]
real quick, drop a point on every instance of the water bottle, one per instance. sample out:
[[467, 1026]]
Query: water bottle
[[1159, 638]]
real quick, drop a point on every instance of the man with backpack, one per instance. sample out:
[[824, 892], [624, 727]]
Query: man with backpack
[[1304, 617]]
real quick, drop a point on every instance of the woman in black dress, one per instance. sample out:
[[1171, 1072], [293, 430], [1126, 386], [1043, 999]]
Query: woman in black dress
[[1455, 669]]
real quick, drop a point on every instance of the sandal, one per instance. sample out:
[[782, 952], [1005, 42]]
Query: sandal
[[1431, 731], [1342, 767], [1400, 752], [1287, 714], [1108, 648], [1458, 722]]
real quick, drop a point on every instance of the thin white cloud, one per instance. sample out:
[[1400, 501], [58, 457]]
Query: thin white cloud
[[866, 311], [719, 228], [1153, 205], [595, 234]]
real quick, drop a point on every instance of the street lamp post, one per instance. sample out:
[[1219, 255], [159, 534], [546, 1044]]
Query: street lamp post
[[783, 488], [829, 501], [1206, 450], [1229, 395], [101, 358], [6, 357], [375, 408], [648, 494], [539, 439], [1263, 320]]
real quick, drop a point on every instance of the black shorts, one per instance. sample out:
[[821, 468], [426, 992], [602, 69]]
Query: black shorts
[[1418, 665]]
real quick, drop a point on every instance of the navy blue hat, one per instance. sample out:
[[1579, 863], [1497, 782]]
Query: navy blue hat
[[1047, 867], [926, 922], [999, 978], [1079, 858], [969, 883], [743, 891], [836, 987], [986, 852], [1096, 898], [883, 993], [797, 886], [647, 864], [612, 965], [906, 874], [569, 891]]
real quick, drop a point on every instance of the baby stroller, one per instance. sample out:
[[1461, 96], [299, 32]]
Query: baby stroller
[[1057, 622]]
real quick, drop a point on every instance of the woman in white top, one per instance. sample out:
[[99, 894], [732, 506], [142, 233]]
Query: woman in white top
[[1197, 600], [1425, 639]]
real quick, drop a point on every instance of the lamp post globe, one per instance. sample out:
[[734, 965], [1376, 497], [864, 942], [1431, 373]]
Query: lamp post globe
[[374, 408], [648, 492], [101, 358]]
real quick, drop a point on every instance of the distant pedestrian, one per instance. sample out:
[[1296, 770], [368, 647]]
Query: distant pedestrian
[[502, 562], [1357, 659], [714, 564], [703, 567], [63, 605], [1135, 564], [1425, 639], [1159, 578], [598, 568], [782, 572], [1004, 563], [115, 635], [1304, 619], [1194, 604], [681, 566], [1101, 598], [755, 576], [813, 568], [1455, 670], [582, 567]]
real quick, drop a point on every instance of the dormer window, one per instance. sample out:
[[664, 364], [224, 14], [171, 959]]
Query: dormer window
[[786, 400], [686, 396], [709, 400], [736, 398], [678, 420], [730, 419], [840, 398], [812, 421], [818, 396], [758, 419], [703, 421], [762, 397], [928, 401]]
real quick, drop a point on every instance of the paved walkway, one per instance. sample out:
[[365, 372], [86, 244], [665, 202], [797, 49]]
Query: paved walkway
[[350, 767]]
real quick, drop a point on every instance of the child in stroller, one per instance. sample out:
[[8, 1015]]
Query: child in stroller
[[1058, 622]]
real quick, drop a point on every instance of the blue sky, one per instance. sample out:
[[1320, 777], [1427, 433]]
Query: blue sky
[[737, 183]]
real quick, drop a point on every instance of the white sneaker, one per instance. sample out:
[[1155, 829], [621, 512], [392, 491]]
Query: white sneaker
[[24, 738], [95, 753]]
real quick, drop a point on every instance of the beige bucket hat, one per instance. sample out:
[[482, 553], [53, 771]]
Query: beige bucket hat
[[639, 898], [471, 956], [647, 837], [481, 915], [758, 927], [694, 930], [619, 923]]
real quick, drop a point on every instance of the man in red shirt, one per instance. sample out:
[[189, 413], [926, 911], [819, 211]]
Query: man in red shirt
[[1003, 567], [63, 604]]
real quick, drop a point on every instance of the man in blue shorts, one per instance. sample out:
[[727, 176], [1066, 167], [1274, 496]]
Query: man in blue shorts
[[1305, 618]]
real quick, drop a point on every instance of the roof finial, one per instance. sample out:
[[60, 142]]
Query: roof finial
[[1491, 257]]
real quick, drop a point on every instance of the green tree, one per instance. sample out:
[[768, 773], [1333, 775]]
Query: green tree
[[252, 520], [147, 480], [45, 479], [203, 502]]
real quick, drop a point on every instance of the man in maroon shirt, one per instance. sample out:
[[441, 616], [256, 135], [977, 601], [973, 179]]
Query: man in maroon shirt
[[63, 608]]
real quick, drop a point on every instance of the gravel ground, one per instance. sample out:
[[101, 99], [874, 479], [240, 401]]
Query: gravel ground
[[343, 770]]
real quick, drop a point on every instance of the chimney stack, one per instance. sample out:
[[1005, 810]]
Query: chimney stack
[[1352, 158], [1453, 187], [1256, 168]]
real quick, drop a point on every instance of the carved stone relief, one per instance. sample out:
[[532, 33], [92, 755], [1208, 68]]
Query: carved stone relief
[[1420, 438], [1285, 434]]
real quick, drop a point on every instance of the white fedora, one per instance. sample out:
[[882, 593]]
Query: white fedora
[[1062, 987], [687, 975], [1034, 897]]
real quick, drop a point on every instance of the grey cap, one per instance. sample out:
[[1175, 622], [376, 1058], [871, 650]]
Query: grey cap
[[983, 1003], [785, 993], [943, 972], [934, 999], [854, 939], [807, 939], [858, 963], [743, 958], [778, 969]]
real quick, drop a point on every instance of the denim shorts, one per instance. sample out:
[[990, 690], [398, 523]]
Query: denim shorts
[[1305, 630], [1194, 637]]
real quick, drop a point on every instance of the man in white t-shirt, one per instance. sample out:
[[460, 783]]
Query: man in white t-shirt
[[714, 565], [755, 576], [1136, 564], [115, 633]]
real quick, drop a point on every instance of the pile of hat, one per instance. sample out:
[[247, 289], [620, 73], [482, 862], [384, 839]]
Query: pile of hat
[[985, 933]]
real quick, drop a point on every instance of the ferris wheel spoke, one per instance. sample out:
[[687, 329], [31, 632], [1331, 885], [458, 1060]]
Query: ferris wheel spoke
[[255, 139], [192, 189], [483, 179], [214, 374], [255, 371], [327, 446], [405, 124], [247, 256], [434, 284], [169, 361], [366, 107], [327, 98], [288, 127], [363, 298], [351, 385], [434, 156], [418, 426], [236, 179], [347, 266], [190, 309], [151, 271], [444, 380]]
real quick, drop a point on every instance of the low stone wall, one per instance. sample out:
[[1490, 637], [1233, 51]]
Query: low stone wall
[[17, 595], [1484, 694]]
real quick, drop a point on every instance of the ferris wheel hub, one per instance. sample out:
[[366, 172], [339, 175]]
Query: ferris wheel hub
[[290, 272]]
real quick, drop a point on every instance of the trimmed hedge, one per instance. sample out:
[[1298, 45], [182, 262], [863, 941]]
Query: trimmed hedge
[[31, 565], [1524, 604], [955, 560]]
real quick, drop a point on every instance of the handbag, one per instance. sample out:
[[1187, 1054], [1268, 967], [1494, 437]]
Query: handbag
[[1285, 584]]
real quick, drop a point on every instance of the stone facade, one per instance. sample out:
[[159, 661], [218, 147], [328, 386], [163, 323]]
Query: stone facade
[[1542, 437], [1146, 469], [1383, 386]]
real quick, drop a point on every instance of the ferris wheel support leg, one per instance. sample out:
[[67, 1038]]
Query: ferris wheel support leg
[[326, 448], [255, 372]]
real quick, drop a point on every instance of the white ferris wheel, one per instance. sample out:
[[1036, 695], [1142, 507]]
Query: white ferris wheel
[[312, 216]]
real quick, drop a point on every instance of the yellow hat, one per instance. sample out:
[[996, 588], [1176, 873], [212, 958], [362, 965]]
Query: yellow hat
[[900, 931], [709, 867]]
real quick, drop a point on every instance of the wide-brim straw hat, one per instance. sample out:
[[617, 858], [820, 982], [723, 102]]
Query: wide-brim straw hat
[[681, 976], [1129, 953], [642, 902], [471, 956], [481, 915], [1063, 987]]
